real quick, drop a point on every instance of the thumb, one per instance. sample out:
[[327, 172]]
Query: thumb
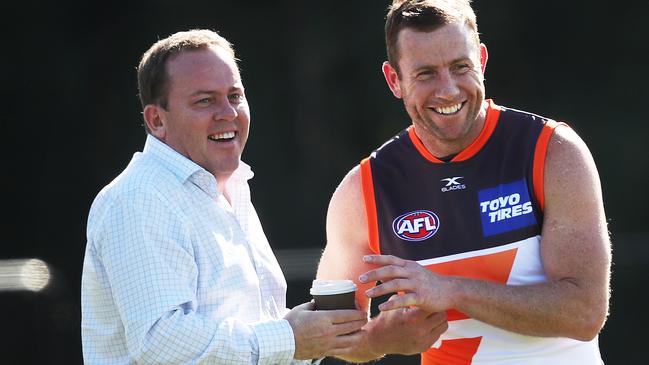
[[308, 306]]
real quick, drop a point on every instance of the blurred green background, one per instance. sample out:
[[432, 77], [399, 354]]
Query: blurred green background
[[71, 120]]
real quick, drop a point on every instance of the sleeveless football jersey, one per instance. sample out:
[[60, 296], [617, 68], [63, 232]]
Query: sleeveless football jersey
[[478, 216]]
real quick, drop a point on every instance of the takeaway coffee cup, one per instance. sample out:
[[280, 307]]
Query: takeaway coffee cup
[[333, 294]]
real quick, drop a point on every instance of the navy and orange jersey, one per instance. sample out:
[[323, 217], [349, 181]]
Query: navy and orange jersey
[[478, 216]]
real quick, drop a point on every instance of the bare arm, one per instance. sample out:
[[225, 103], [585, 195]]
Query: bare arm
[[575, 251], [406, 331], [347, 239]]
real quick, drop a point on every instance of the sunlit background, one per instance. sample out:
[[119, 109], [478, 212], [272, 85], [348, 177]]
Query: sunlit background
[[70, 120]]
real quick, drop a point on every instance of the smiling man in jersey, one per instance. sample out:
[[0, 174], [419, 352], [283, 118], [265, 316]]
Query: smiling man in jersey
[[491, 215]]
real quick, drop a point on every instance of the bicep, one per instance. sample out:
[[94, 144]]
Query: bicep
[[575, 244], [347, 237]]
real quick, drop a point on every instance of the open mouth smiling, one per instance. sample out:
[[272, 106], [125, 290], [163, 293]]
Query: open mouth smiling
[[448, 110], [222, 137]]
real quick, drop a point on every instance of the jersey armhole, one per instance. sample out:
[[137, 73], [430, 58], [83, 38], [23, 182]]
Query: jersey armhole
[[370, 206], [540, 153]]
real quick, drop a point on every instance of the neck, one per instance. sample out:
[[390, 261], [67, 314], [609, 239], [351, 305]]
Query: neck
[[440, 147], [221, 186]]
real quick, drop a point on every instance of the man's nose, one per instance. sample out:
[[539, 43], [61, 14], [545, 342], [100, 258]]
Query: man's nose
[[225, 111], [446, 86]]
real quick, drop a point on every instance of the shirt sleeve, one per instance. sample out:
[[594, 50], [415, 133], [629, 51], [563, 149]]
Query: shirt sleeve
[[146, 253]]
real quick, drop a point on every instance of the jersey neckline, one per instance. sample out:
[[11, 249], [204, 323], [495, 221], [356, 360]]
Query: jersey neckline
[[493, 114]]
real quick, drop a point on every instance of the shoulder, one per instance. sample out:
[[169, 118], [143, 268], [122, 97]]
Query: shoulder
[[571, 176], [523, 125], [521, 114], [142, 187], [346, 207], [567, 151], [393, 144], [349, 193], [144, 176]]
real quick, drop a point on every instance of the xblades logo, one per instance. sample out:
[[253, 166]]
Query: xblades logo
[[452, 183]]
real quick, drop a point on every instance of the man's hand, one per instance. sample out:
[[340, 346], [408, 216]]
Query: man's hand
[[421, 287], [406, 331], [324, 333]]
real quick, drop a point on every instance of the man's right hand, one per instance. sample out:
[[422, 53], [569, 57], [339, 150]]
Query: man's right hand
[[405, 331], [324, 333]]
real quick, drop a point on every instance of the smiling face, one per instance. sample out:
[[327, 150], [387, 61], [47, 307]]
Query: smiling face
[[207, 116], [440, 80]]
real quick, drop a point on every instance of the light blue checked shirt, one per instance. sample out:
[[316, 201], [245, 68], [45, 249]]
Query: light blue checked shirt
[[175, 274]]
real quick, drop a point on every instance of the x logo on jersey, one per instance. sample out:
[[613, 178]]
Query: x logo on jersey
[[452, 180]]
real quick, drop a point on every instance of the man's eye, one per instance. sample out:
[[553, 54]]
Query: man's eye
[[463, 67], [204, 101], [424, 75], [236, 97]]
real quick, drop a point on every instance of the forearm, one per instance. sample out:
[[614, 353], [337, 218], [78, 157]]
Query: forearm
[[553, 309], [187, 337]]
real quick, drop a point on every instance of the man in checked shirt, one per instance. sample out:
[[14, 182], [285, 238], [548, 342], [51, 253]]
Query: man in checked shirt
[[177, 267]]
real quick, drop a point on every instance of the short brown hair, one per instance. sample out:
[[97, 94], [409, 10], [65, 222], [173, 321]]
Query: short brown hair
[[424, 16], [152, 77]]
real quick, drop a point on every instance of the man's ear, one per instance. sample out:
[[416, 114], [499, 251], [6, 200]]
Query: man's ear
[[484, 55], [155, 120], [392, 78]]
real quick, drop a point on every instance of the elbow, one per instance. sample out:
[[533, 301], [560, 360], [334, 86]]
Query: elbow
[[152, 355], [145, 349], [143, 354], [588, 332], [585, 314], [595, 325], [590, 323]]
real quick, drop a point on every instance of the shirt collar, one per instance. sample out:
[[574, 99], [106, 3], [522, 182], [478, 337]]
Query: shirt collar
[[178, 164], [186, 169], [243, 173]]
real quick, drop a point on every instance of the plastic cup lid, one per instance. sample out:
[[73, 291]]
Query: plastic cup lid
[[329, 287]]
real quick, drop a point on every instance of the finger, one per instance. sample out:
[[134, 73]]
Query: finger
[[438, 316], [348, 327], [384, 260], [344, 315], [308, 306], [439, 329], [392, 286], [438, 322], [417, 314], [346, 343], [385, 273], [401, 301], [341, 352]]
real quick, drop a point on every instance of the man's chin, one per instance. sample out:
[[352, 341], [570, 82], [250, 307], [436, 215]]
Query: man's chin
[[224, 168]]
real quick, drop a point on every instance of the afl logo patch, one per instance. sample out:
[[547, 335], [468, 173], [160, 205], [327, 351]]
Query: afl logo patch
[[416, 226]]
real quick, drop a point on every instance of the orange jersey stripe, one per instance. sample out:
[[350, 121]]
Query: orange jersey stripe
[[370, 206], [540, 153], [493, 112], [420, 146], [452, 352]]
